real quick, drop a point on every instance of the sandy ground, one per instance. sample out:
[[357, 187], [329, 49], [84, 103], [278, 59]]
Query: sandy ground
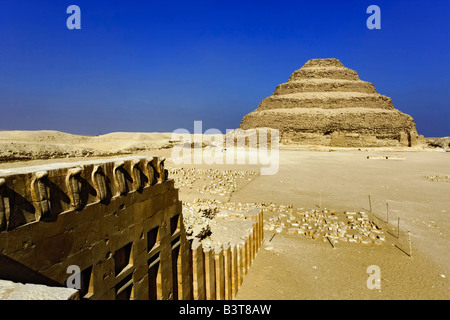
[[292, 266], [295, 267], [32, 145], [307, 269]]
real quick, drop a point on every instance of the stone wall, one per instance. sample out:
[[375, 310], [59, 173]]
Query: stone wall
[[120, 222], [111, 219], [218, 273]]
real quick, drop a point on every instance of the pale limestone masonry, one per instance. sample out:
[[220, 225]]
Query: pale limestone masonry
[[111, 218], [17, 291], [218, 273], [120, 221], [325, 103]]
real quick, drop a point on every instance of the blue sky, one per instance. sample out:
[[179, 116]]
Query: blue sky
[[160, 65]]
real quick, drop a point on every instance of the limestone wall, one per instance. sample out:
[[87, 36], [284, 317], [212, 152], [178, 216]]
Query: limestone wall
[[120, 222], [218, 273], [112, 219]]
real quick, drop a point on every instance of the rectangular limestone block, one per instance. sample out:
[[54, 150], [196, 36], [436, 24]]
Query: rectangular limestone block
[[58, 271], [234, 250], [141, 210], [140, 245], [141, 271], [85, 236], [248, 251], [227, 257], [120, 239], [243, 246], [16, 239], [157, 203], [186, 270], [186, 285], [141, 289], [109, 295], [261, 227], [198, 271], [18, 291], [255, 239], [252, 244], [220, 273], [210, 275], [168, 185], [170, 198], [53, 250]]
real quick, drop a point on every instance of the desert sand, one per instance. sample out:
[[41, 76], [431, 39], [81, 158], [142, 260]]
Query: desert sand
[[414, 184], [314, 270]]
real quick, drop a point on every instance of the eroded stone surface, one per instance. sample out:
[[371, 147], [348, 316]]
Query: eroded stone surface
[[18, 291], [325, 103]]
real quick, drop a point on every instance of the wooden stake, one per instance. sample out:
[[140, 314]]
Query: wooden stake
[[330, 242], [402, 250], [387, 212], [320, 199], [370, 204], [409, 243], [272, 237]]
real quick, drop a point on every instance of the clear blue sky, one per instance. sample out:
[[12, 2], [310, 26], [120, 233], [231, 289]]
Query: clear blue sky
[[160, 65]]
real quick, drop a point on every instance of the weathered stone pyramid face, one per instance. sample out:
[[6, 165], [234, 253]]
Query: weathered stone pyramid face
[[325, 103]]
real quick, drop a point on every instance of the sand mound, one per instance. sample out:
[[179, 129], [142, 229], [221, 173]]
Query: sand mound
[[443, 142], [32, 145]]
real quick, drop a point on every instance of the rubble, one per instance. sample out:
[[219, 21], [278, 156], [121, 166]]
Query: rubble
[[347, 226], [438, 178], [316, 224], [197, 221], [201, 216], [210, 181], [215, 226]]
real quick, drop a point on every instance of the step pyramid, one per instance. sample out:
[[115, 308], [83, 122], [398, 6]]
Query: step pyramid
[[325, 103]]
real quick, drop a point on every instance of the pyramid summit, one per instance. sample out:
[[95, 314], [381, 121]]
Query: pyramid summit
[[325, 103]]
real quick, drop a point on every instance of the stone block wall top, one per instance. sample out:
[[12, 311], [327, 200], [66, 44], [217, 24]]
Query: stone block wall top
[[33, 193], [17, 291]]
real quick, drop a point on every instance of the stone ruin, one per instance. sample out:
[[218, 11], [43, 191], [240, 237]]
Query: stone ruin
[[120, 222], [325, 103]]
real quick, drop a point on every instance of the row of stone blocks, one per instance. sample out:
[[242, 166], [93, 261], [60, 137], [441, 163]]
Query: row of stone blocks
[[33, 193], [127, 211], [218, 273]]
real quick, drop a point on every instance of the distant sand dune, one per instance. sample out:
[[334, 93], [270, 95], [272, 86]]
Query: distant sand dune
[[47, 144], [27, 145]]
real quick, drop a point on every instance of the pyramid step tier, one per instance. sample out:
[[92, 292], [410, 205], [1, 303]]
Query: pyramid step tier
[[328, 100], [322, 121], [327, 62], [355, 128], [324, 73], [324, 85]]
